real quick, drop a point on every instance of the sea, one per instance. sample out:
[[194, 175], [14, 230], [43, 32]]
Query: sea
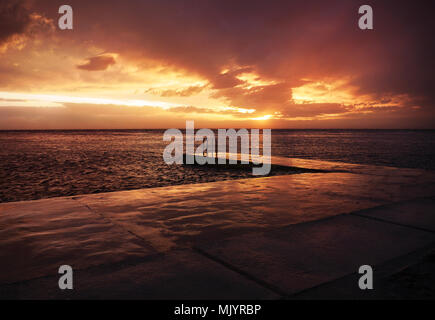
[[43, 164]]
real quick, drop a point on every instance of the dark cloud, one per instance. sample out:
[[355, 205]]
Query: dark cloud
[[314, 109], [275, 97], [98, 63], [229, 79], [14, 18]]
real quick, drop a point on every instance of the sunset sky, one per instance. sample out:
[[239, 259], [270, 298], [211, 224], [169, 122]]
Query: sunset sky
[[277, 64]]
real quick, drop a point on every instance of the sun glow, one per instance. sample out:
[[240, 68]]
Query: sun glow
[[253, 80], [84, 100], [323, 92], [265, 117]]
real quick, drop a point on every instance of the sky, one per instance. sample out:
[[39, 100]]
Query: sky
[[222, 63]]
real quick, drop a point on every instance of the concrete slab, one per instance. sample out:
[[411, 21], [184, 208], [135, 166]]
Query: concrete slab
[[302, 256], [177, 275], [407, 277], [417, 213], [37, 237], [336, 166], [170, 216], [257, 227]]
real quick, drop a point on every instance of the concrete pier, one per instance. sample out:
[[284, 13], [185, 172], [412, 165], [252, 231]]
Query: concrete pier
[[295, 236]]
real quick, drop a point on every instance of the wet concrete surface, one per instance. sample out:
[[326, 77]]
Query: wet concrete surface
[[302, 256], [250, 238]]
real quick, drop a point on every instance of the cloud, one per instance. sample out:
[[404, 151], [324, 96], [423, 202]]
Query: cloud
[[192, 109], [18, 24], [314, 109], [81, 116], [14, 19], [284, 43], [98, 63], [12, 100], [228, 79], [225, 111], [89, 116], [187, 92]]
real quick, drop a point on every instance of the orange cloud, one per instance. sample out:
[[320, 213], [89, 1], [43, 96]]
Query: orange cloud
[[184, 92], [98, 63]]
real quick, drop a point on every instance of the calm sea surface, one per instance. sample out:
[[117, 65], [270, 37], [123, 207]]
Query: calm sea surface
[[41, 164]]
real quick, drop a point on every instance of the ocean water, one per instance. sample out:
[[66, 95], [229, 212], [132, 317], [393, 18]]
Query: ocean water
[[41, 164]]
